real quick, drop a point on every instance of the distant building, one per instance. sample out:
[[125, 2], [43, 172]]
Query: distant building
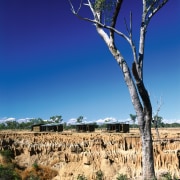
[[118, 127], [85, 127], [36, 127], [54, 127]]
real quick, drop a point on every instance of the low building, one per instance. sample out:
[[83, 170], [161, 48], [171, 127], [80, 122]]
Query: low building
[[85, 127], [54, 127], [118, 127], [36, 127]]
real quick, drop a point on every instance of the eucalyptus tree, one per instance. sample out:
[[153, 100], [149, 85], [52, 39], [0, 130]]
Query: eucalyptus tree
[[56, 119], [133, 117], [104, 16], [80, 119]]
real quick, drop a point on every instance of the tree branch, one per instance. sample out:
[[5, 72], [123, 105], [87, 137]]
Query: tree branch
[[102, 25], [142, 40], [133, 47], [154, 11], [114, 17]]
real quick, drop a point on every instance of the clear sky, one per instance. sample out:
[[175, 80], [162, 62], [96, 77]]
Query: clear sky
[[52, 63]]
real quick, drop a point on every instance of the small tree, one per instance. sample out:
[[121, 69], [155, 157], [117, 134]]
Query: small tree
[[56, 119], [157, 120], [80, 119], [104, 16], [133, 118]]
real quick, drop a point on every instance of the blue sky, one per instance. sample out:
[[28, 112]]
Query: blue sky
[[52, 63]]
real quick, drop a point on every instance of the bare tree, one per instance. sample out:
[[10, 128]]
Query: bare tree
[[157, 119], [105, 14]]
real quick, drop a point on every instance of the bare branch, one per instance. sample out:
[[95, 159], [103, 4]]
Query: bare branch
[[155, 119], [116, 12], [111, 28], [91, 8], [102, 25], [133, 47], [159, 103], [114, 18], [72, 7], [127, 29], [151, 5], [79, 6], [155, 10], [130, 25]]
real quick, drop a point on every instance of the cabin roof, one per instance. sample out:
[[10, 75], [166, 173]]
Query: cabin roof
[[87, 123], [116, 123], [53, 124]]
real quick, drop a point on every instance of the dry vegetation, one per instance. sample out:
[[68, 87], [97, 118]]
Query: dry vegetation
[[67, 155]]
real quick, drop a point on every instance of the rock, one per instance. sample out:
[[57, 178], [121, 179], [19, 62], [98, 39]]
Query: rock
[[73, 154]]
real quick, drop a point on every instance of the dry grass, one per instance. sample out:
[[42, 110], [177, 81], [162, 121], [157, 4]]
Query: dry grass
[[40, 173]]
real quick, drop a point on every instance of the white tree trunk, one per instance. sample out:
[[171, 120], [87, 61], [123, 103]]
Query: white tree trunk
[[138, 93], [144, 114]]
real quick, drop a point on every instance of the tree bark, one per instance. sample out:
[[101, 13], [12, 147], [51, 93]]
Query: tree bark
[[144, 113], [147, 147]]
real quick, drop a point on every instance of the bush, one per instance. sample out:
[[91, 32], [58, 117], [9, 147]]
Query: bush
[[8, 172], [38, 172], [168, 176], [32, 177], [122, 177], [7, 154], [99, 175], [81, 177], [35, 165]]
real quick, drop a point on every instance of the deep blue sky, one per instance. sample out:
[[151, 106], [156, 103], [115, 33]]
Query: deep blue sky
[[52, 63]]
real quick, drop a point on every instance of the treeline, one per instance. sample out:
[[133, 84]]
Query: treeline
[[15, 125], [162, 125], [27, 125]]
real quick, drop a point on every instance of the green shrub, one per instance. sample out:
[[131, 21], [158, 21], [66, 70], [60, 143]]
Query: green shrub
[[8, 172], [168, 176], [99, 175], [122, 177], [7, 154], [81, 177], [35, 165], [32, 177]]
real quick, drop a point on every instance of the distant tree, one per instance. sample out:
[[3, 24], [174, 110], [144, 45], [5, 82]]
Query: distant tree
[[104, 15], [107, 120], [79, 119], [133, 118], [12, 124], [56, 119], [36, 121], [2, 126], [157, 120], [23, 125]]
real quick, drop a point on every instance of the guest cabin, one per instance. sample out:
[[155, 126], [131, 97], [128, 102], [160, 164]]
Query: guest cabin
[[117, 127], [85, 127], [54, 127]]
